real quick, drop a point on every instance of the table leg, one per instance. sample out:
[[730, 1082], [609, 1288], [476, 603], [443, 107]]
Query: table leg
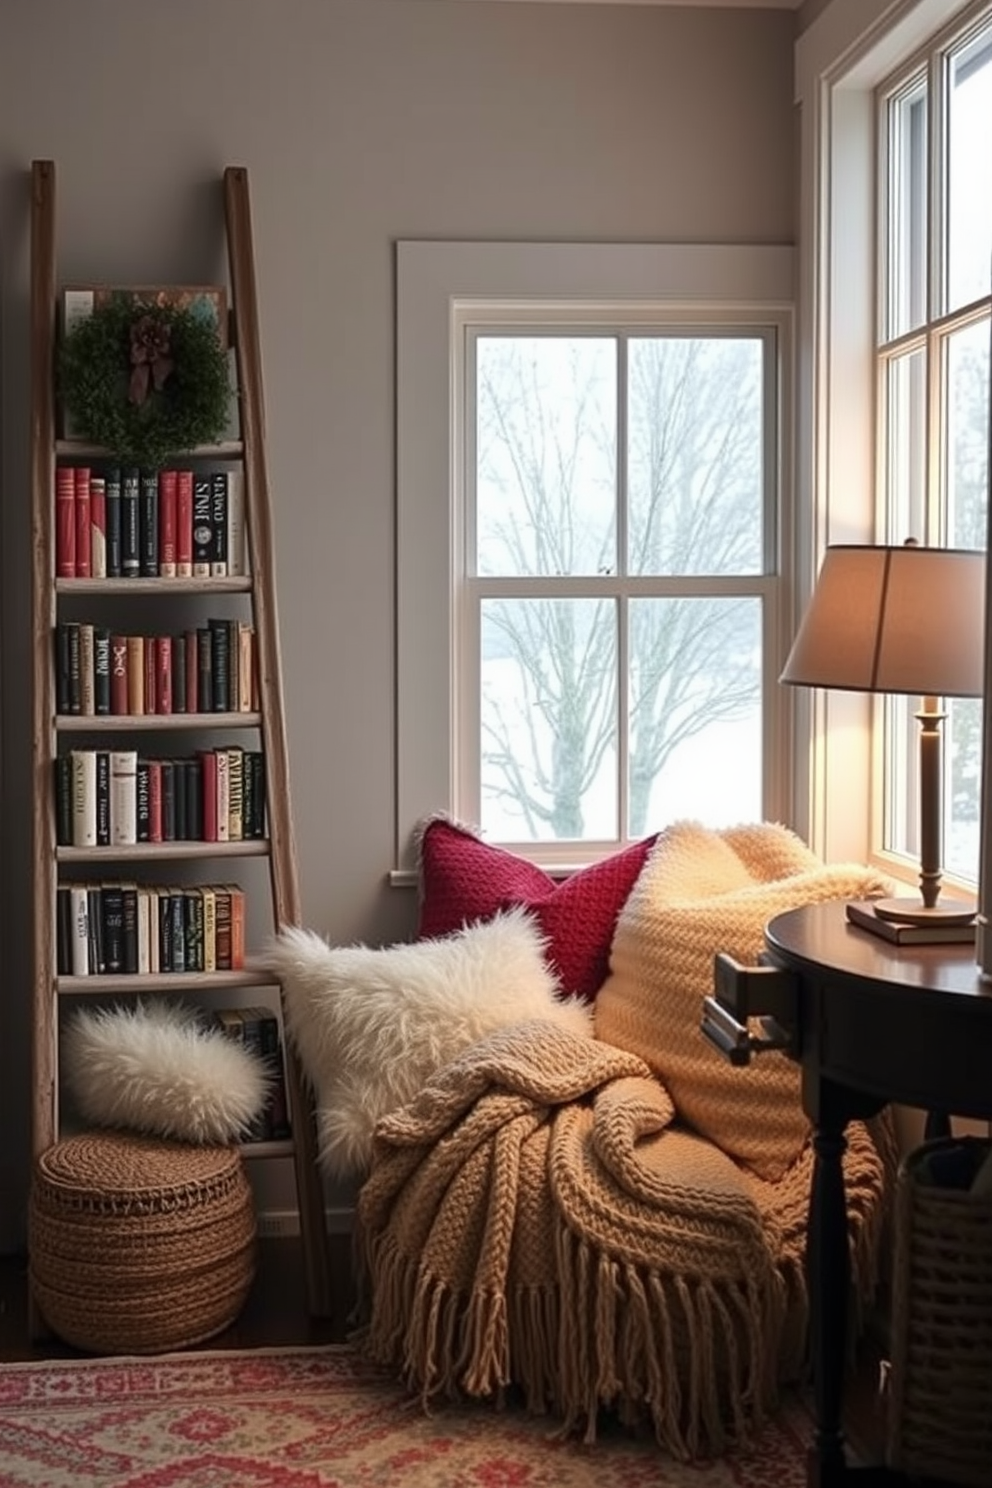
[[828, 1266]]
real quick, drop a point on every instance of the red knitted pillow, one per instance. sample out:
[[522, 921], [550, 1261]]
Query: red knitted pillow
[[463, 879]]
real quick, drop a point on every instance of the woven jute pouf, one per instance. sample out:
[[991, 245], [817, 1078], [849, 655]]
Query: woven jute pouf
[[139, 1245]]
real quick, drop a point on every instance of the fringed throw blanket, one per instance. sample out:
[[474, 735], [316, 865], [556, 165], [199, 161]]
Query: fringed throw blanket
[[533, 1216]]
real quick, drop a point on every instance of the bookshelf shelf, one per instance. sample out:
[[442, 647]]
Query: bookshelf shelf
[[110, 723], [164, 852], [189, 982], [233, 584], [101, 777]]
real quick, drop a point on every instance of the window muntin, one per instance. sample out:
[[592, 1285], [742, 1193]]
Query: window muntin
[[620, 507], [935, 121]]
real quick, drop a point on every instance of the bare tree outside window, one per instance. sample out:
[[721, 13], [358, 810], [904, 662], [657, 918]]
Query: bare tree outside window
[[613, 628]]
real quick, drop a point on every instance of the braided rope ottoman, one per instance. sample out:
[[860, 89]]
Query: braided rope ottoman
[[139, 1245]]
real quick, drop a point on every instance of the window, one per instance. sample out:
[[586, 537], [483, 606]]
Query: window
[[593, 542], [935, 291]]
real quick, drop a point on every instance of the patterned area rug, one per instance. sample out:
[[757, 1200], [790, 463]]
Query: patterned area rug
[[320, 1418]]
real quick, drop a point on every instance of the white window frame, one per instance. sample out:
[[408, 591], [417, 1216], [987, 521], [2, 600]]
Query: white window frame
[[847, 52], [440, 287]]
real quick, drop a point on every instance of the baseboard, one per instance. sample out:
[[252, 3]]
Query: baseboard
[[284, 1224]]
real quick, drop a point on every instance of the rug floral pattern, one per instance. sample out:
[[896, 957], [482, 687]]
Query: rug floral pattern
[[320, 1418]]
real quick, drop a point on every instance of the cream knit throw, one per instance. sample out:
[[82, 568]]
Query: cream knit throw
[[534, 1217], [703, 891]]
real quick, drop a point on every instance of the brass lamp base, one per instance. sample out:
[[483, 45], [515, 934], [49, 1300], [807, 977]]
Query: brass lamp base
[[913, 912]]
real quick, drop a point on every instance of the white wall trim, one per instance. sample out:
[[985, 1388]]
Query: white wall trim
[[433, 279]]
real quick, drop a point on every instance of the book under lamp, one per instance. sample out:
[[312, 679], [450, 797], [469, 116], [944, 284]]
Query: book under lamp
[[907, 620]]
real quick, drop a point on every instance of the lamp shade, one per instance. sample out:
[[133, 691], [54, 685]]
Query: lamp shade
[[894, 619]]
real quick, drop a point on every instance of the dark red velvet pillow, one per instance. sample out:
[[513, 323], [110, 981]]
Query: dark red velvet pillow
[[463, 879]]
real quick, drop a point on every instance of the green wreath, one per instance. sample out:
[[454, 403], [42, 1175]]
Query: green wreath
[[146, 382]]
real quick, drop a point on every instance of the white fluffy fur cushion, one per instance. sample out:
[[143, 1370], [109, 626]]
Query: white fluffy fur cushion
[[156, 1067], [372, 1026]]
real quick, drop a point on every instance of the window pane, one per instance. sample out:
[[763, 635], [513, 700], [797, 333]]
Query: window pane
[[967, 435], [962, 792], [695, 711], [695, 455], [545, 455], [906, 280], [969, 205], [906, 439], [549, 720]]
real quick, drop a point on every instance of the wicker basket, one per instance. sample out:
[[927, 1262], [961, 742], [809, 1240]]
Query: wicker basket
[[138, 1245], [940, 1410]]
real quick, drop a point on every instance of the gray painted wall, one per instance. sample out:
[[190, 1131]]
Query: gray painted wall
[[360, 121]]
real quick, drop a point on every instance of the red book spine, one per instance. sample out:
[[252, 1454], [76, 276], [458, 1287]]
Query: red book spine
[[118, 674], [65, 522], [98, 526], [167, 519], [208, 791], [184, 524], [84, 567], [151, 674], [192, 675], [163, 674], [154, 800]]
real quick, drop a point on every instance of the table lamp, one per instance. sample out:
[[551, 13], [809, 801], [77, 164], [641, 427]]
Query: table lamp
[[906, 620]]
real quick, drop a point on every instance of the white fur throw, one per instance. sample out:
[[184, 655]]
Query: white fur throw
[[372, 1026], [156, 1067]]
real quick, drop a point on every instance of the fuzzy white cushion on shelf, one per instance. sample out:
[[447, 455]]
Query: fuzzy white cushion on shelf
[[372, 1026], [156, 1067]]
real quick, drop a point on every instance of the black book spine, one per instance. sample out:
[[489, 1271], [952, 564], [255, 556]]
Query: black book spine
[[205, 671], [75, 668], [177, 914], [130, 525], [218, 523], [113, 928], [221, 660], [103, 798], [101, 669], [94, 909], [194, 800], [148, 524], [164, 931], [202, 526], [168, 801], [258, 786], [129, 919], [112, 488], [62, 667], [63, 800], [193, 917], [63, 930]]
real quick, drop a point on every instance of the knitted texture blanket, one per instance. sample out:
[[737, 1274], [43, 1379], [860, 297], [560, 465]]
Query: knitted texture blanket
[[701, 891], [534, 1216]]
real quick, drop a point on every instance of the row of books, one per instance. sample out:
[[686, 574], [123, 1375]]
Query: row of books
[[258, 1029], [125, 523], [209, 668], [116, 797], [130, 929]]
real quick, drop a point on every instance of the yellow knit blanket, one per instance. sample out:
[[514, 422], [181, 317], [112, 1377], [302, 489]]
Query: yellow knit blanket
[[534, 1216]]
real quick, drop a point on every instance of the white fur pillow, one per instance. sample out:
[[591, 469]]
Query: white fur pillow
[[156, 1067], [372, 1026]]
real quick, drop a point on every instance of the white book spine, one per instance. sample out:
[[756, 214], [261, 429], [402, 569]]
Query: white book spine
[[79, 896], [237, 562], [84, 798], [123, 797], [144, 936]]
